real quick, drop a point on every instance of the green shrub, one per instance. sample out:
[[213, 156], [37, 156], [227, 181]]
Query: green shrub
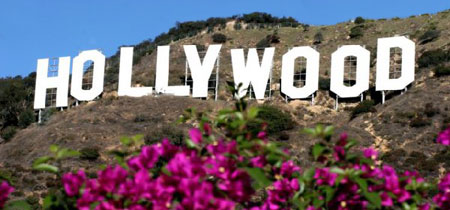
[[360, 20], [263, 43], [26, 118], [89, 153], [219, 38], [47, 114], [273, 38], [433, 58], [318, 38], [419, 121], [429, 36], [356, 32], [174, 134], [268, 40], [276, 119], [363, 107], [442, 71], [8, 133], [324, 83]]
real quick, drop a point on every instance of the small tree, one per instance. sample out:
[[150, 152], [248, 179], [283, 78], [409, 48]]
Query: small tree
[[442, 71], [360, 20], [26, 118], [363, 107], [318, 38], [263, 43], [324, 83], [219, 38], [356, 32], [429, 36]]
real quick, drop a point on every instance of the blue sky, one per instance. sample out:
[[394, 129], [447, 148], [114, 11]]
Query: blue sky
[[32, 29]]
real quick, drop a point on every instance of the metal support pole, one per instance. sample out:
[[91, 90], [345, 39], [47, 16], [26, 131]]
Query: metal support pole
[[336, 105], [270, 82], [217, 78], [382, 97], [286, 99], [362, 97], [312, 99], [186, 73], [76, 103], [40, 116]]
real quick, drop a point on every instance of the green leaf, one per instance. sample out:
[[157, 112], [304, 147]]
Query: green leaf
[[373, 198], [329, 130], [317, 150], [337, 170], [309, 131], [190, 143], [66, 153], [362, 184], [125, 141], [253, 112], [309, 174], [48, 201], [319, 129], [17, 205], [46, 167], [138, 138], [302, 186], [42, 159], [350, 144], [166, 171], [258, 175], [329, 193], [54, 148]]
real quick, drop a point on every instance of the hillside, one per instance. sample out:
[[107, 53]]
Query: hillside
[[404, 128]]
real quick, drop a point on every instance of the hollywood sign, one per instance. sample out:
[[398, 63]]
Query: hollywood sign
[[246, 70]]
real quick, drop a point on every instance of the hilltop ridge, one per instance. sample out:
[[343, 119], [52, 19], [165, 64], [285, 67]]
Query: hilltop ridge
[[404, 128]]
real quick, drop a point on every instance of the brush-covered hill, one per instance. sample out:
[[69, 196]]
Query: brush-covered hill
[[404, 128]]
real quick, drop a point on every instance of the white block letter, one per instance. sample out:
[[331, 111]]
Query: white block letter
[[97, 78], [383, 63], [201, 71], [125, 72], [162, 75], [60, 82], [362, 71], [312, 72], [252, 72]]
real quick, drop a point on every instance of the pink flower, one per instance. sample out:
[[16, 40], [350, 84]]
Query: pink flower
[[207, 129], [370, 153], [442, 199], [386, 200], [5, 190], [262, 135], [196, 135], [425, 206], [342, 139], [288, 168], [339, 153], [110, 178], [73, 182], [147, 159], [258, 161], [444, 137], [324, 176]]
